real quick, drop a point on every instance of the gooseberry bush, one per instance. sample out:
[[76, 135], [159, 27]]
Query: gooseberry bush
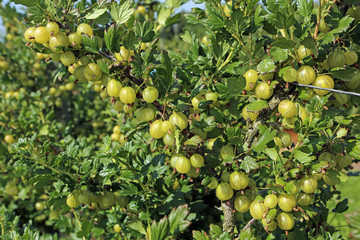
[[237, 136]]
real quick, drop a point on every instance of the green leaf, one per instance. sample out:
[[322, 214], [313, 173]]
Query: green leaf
[[144, 31], [40, 181], [283, 43], [278, 54], [238, 23], [215, 20], [197, 235], [90, 43], [305, 8], [112, 37], [353, 149], [28, 3], [103, 66], [121, 12], [246, 235], [36, 14], [272, 153], [341, 206], [44, 131], [265, 138], [96, 13], [235, 85], [177, 218], [341, 132], [258, 105], [310, 44], [128, 189], [160, 230], [303, 157], [163, 15], [343, 74], [248, 164], [130, 40], [289, 186], [215, 231], [267, 65], [165, 72], [137, 225], [271, 215], [86, 227], [60, 74], [281, 20], [193, 141], [341, 26]]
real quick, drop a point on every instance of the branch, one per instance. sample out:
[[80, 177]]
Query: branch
[[107, 55], [277, 97], [248, 224], [228, 224]]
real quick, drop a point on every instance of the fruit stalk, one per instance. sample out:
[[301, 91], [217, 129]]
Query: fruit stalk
[[248, 224]]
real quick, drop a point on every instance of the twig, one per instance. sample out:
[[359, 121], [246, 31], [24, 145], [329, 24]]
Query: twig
[[264, 114], [248, 224], [318, 21], [109, 56], [227, 208], [328, 89]]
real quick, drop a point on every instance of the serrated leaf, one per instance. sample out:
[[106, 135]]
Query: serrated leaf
[[137, 225], [353, 149], [160, 230], [144, 31], [342, 25], [90, 43], [177, 218], [283, 43], [265, 138], [121, 12], [341, 206], [271, 215], [248, 164], [278, 54], [193, 141], [235, 85], [215, 231], [303, 157], [28, 3], [197, 235], [343, 74], [215, 20], [60, 74], [305, 8], [290, 186], [130, 40], [96, 13], [128, 189], [272, 153], [258, 105], [265, 66], [341, 132], [246, 235]]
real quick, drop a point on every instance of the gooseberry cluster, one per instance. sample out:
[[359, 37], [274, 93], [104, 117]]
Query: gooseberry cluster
[[117, 135], [192, 124], [104, 200]]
